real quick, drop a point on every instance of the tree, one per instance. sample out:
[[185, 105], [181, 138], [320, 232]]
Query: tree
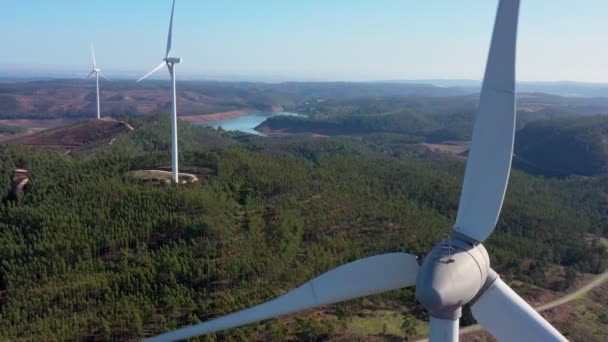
[[570, 278], [277, 331], [467, 317], [105, 330], [136, 325], [409, 326]]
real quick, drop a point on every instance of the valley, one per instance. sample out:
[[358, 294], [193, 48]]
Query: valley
[[112, 251]]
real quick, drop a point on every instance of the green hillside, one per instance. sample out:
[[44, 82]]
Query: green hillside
[[420, 127], [566, 146], [88, 253]]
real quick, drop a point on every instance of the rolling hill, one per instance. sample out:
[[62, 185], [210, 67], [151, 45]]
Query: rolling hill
[[562, 147], [74, 136], [90, 253]]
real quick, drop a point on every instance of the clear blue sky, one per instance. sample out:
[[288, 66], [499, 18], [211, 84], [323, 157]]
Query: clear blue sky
[[303, 39]]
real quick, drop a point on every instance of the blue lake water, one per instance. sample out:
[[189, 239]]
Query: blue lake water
[[246, 123]]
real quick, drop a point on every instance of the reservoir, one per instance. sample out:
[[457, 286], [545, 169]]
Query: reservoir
[[246, 123]]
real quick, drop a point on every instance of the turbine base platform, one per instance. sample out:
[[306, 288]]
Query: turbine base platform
[[160, 176]]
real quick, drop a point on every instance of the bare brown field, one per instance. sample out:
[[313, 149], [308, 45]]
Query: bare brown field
[[449, 147], [71, 137], [28, 123], [77, 99]]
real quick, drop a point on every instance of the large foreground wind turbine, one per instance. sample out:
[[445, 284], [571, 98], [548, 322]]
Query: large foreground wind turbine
[[98, 73], [456, 271], [170, 62]]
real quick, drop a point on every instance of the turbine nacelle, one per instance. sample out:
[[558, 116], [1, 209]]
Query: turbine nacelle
[[172, 60], [451, 275]]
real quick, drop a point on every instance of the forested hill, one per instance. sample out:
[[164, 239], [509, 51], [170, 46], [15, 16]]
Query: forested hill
[[406, 113], [418, 127], [88, 252], [556, 136], [561, 147]]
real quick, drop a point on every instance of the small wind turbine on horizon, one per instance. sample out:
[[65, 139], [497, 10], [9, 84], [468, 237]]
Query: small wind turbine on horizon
[[97, 72], [170, 62]]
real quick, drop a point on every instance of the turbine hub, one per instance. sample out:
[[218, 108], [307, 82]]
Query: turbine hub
[[173, 60], [452, 275]]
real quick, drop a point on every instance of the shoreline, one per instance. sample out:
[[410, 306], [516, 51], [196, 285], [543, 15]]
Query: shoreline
[[219, 116], [203, 118]]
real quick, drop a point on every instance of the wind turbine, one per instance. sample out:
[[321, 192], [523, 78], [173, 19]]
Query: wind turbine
[[98, 73], [170, 62], [456, 271]]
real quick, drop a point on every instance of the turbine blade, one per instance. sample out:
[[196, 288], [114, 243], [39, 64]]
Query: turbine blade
[[94, 61], [489, 162], [508, 317], [153, 71], [92, 72], [170, 36], [357, 279], [104, 76]]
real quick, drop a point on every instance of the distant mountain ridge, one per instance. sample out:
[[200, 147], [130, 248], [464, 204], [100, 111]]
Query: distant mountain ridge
[[561, 88], [76, 98]]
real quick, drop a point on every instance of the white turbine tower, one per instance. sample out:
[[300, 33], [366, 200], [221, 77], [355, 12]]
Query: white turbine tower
[[97, 72], [456, 271], [170, 62]]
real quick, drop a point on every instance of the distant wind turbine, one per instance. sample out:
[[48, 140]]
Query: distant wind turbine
[[98, 73], [170, 62]]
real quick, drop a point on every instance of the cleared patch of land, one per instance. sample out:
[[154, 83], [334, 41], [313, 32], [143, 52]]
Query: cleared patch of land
[[74, 136], [37, 124], [20, 181], [385, 324], [449, 147]]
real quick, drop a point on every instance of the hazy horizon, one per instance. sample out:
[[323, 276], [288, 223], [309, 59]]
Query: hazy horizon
[[27, 76], [302, 41]]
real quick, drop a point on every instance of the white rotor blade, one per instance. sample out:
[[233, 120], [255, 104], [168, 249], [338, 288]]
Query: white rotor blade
[[360, 278], [489, 161], [92, 72], [508, 317], [104, 76], [94, 61], [153, 71], [169, 38]]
